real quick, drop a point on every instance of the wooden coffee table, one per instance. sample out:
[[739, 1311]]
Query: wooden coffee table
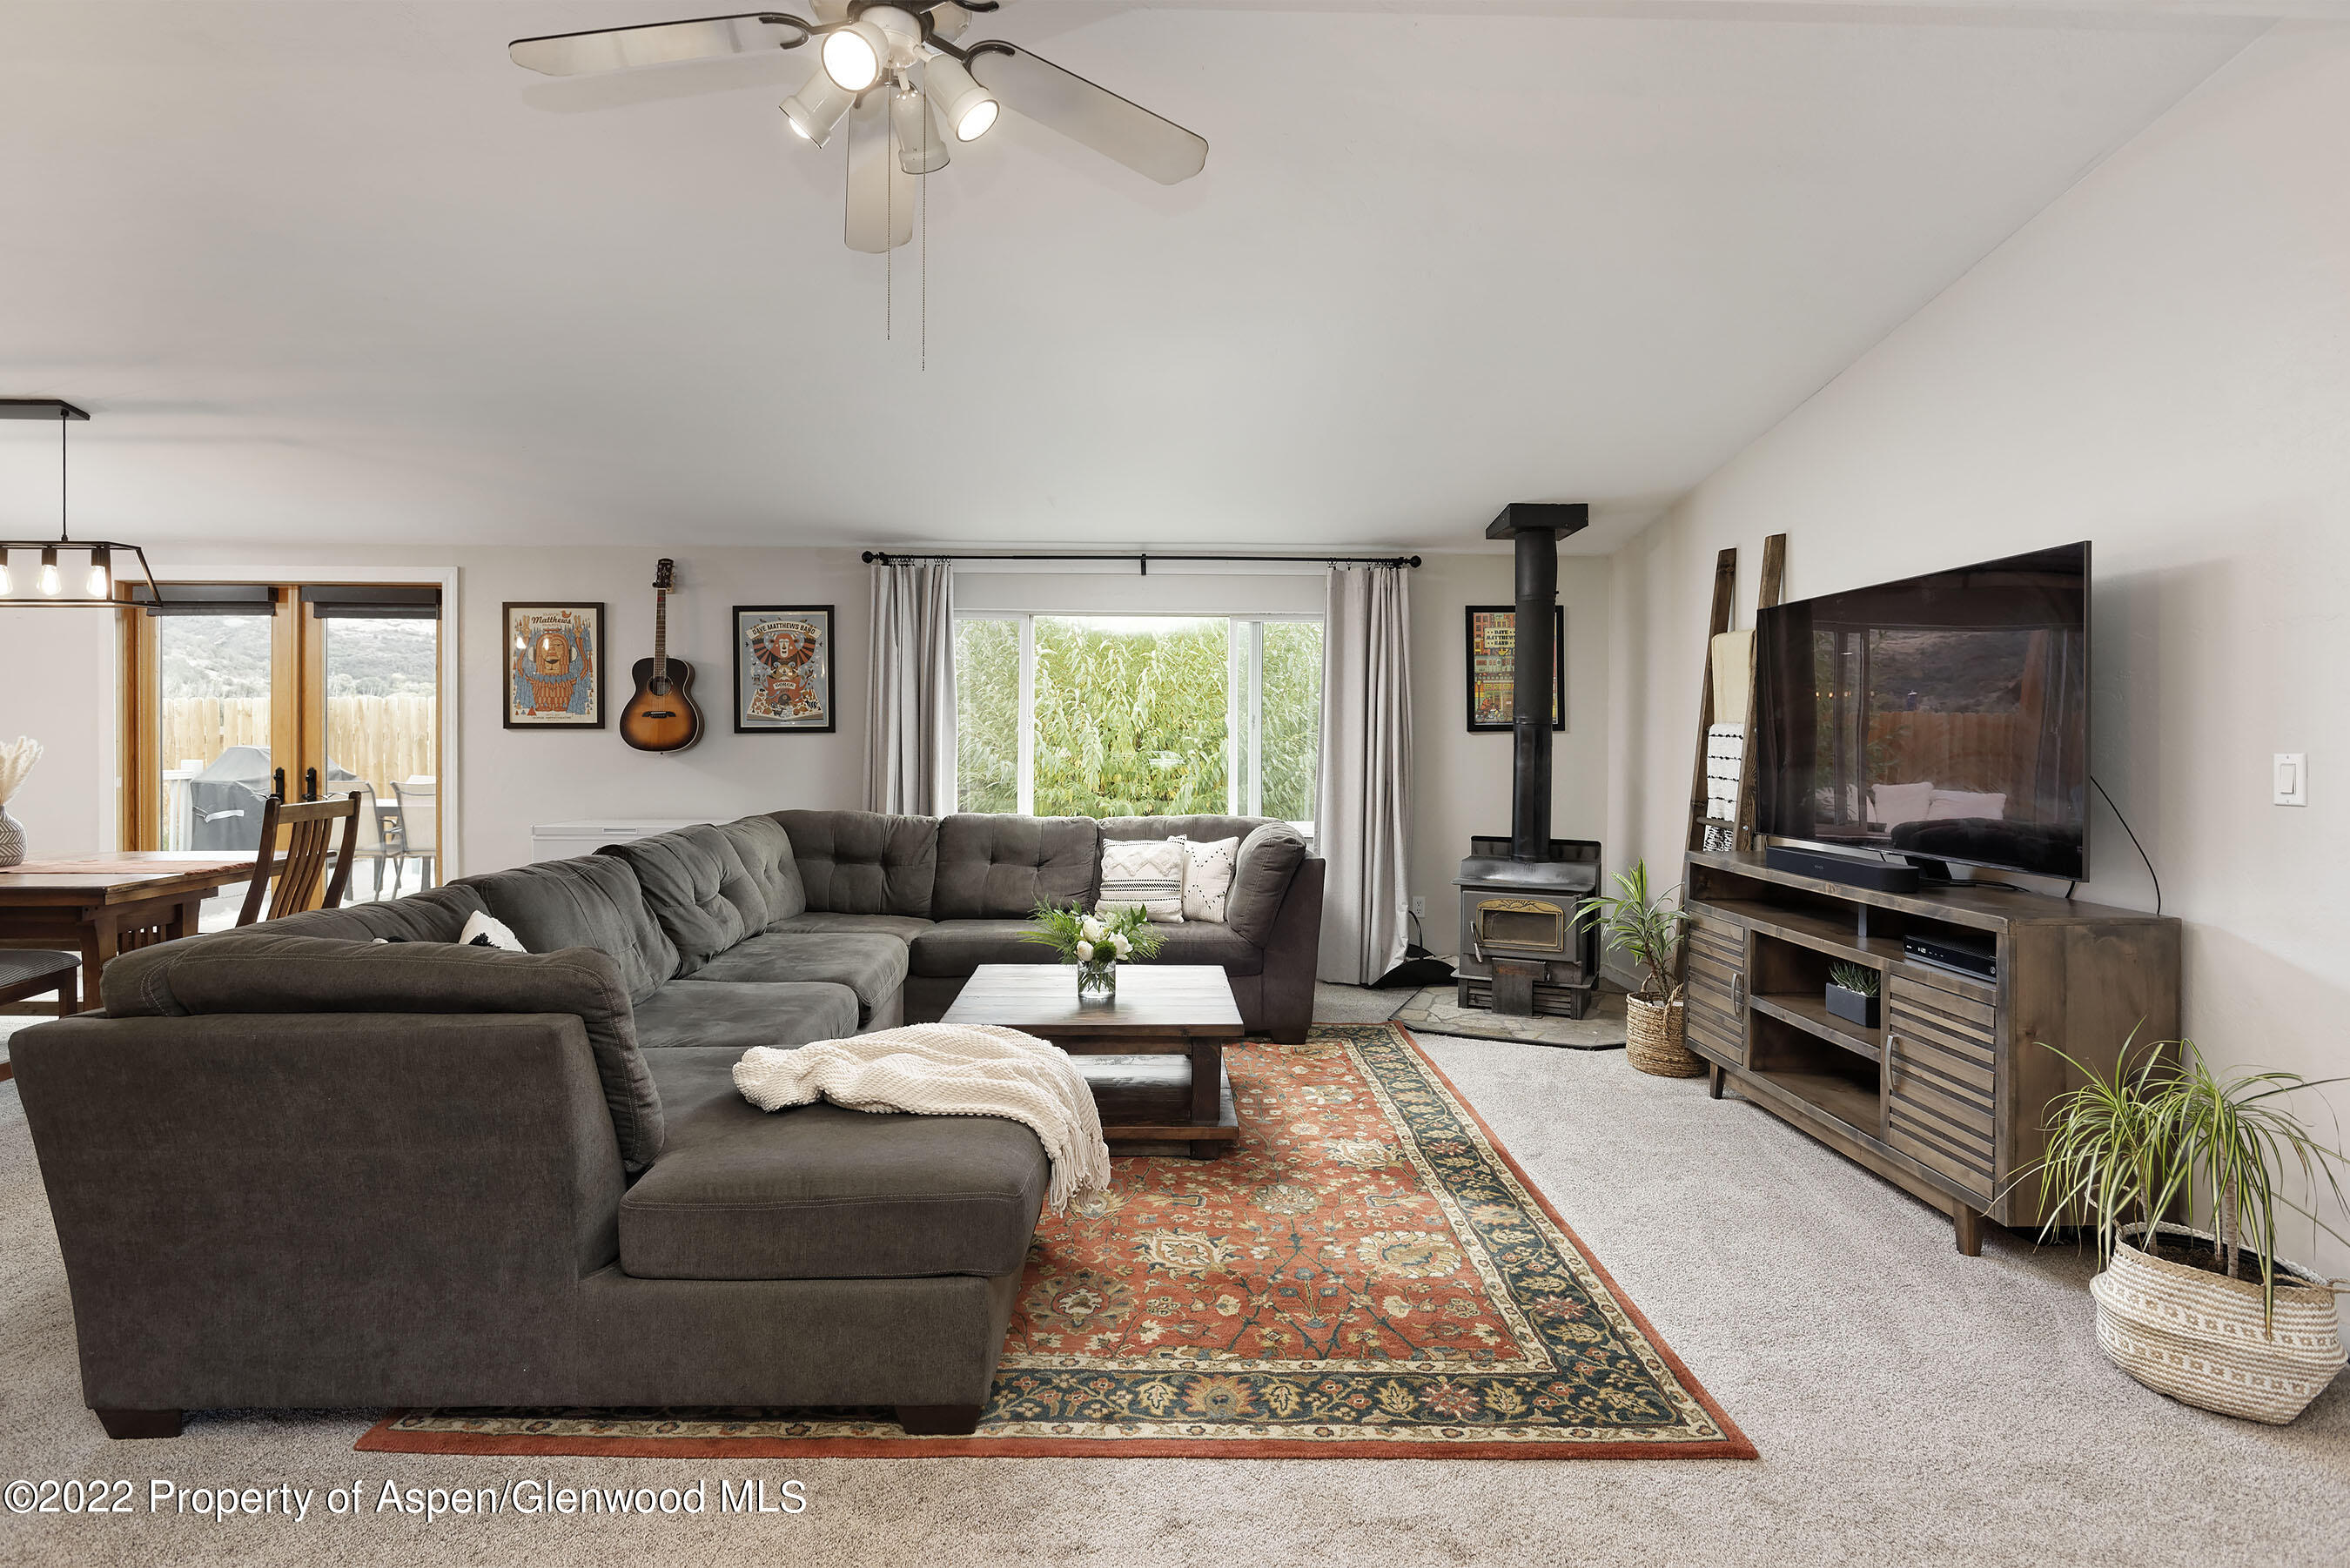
[[1153, 1053]]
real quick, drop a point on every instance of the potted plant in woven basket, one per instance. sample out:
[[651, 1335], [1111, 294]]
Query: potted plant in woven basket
[[2213, 1318], [1648, 930]]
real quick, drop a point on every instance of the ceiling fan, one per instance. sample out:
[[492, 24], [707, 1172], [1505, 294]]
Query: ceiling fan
[[907, 89]]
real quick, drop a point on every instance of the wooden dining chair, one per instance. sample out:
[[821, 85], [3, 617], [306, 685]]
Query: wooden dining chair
[[301, 873], [24, 975]]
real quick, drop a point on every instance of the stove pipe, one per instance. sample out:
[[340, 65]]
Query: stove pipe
[[1535, 529]]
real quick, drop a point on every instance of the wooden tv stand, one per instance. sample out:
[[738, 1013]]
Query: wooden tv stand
[[1946, 1100]]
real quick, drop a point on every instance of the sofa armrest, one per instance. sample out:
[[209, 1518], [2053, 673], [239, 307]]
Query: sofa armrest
[[293, 1209], [1293, 953]]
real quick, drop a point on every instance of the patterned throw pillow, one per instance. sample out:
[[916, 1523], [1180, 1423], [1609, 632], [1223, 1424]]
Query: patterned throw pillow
[[1145, 871], [1208, 877]]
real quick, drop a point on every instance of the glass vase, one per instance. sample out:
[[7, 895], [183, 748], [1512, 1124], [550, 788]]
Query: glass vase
[[1097, 977]]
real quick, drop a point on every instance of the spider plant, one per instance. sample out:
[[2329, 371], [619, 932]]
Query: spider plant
[[2126, 1145], [1646, 929]]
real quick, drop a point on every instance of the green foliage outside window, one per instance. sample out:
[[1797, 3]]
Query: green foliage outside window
[[1131, 716]]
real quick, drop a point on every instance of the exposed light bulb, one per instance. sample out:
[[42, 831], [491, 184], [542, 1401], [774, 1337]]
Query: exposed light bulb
[[853, 56], [968, 107], [101, 584], [49, 583]]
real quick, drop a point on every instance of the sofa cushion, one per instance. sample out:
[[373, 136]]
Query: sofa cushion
[[864, 863], [993, 866], [261, 970], [1205, 941], [765, 851], [1269, 859], [1206, 827], [951, 949], [823, 1192], [905, 927], [435, 915], [594, 902], [744, 1013], [696, 887], [870, 963]]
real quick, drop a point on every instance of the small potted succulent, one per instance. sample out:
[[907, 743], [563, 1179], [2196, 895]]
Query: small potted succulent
[[1853, 992], [1648, 929], [2213, 1318], [1095, 943]]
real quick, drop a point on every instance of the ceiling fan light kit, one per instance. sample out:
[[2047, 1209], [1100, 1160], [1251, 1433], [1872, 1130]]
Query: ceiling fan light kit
[[968, 107], [906, 50], [817, 107]]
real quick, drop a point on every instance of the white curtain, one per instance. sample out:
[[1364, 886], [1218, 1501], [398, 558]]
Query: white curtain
[[1364, 797], [909, 711]]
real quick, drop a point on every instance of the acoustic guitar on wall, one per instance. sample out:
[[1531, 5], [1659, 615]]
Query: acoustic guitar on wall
[[660, 716]]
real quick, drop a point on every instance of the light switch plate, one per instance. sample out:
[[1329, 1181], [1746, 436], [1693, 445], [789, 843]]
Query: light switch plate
[[2289, 778]]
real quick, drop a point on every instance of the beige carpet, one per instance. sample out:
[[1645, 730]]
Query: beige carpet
[[1913, 1407]]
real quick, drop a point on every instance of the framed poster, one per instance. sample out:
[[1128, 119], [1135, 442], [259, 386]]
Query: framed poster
[[555, 667], [782, 669], [1492, 666]]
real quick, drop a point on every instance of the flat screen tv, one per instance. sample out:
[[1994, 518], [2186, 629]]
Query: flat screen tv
[[1940, 717]]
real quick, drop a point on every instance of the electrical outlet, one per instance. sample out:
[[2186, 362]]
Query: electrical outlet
[[2289, 778], [1420, 909]]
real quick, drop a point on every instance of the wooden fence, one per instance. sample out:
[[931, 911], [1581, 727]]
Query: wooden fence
[[381, 739], [1954, 750]]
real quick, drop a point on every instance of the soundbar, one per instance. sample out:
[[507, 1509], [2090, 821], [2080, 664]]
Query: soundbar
[[1877, 876]]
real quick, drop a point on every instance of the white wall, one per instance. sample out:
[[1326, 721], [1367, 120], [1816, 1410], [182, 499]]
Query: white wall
[[507, 779], [2160, 363], [57, 685], [1461, 782]]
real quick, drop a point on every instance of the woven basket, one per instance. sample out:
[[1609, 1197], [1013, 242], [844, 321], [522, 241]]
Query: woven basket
[[1652, 1039], [2199, 1337]]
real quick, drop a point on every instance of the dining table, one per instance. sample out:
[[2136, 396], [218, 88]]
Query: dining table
[[107, 904]]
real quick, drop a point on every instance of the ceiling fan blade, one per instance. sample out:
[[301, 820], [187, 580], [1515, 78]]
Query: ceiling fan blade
[[658, 43], [1082, 111], [880, 194]]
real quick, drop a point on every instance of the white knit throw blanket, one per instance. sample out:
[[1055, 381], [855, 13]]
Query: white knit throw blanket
[[947, 1069]]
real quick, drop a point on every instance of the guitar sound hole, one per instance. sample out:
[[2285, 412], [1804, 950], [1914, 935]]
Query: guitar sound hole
[[660, 688]]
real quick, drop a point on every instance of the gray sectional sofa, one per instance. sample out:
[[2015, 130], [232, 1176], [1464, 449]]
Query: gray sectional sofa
[[337, 1159]]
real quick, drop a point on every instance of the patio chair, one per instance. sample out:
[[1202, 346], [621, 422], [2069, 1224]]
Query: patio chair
[[419, 806]]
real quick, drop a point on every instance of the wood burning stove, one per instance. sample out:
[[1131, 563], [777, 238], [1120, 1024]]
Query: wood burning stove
[[1522, 949]]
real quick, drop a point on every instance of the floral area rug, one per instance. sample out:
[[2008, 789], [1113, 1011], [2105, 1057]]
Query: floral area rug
[[1369, 1275]]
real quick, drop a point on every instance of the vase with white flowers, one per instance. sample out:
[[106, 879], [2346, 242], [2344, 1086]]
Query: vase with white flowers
[[17, 760], [1095, 943]]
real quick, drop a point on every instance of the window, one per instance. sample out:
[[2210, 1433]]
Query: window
[[1138, 715]]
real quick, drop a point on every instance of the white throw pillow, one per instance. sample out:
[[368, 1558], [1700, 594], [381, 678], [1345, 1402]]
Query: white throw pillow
[[1145, 871], [485, 929], [1208, 877], [1895, 804]]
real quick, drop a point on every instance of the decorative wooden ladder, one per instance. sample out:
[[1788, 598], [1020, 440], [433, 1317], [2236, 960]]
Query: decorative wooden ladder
[[1740, 825]]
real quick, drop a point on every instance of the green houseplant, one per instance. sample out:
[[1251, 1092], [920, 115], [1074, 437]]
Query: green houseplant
[[1095, 943], [1852, 992], [2214, 1318], [1648, 929]]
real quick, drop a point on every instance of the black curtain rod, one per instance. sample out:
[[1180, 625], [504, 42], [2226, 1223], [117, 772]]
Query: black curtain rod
[[1142, 559]]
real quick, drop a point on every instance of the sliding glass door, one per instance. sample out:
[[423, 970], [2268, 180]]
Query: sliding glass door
[[241, 692]]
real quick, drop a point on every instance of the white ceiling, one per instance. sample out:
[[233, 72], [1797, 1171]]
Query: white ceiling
[[342, 271]]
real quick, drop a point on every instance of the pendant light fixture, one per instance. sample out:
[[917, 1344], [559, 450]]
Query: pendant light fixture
[[48, 585]]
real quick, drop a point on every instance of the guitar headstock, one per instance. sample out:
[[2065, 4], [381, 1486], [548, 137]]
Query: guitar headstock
[[665, 575]]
